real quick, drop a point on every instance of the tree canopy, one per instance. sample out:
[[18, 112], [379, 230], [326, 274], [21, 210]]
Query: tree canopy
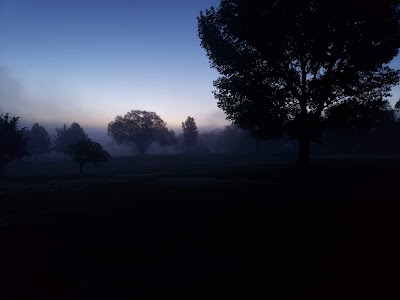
[[12, 140], [190, 133], [39, 141], [66, 136], [397, 105], [287, 64], [142, 128], [353, 115], [87, 151]]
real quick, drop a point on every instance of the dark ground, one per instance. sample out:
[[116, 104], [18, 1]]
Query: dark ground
[[197, 227]]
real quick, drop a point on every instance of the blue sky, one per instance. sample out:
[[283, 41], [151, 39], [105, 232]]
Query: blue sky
[[88, 61]]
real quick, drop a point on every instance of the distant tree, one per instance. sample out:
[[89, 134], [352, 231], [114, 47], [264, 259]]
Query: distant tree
[[397, 105], [66, 136], [87, 151], [60, 143], [233, 139], [352, 115], [39, 141], [168, 138], [76, 132], [211, 141], [366, 129], [142, 128], [190, 133], [285, 64], [12, 140]]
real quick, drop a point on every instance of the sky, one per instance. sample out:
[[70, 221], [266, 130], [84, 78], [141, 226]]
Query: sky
[[87, 61]]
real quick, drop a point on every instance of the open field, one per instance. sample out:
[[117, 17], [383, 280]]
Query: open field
[[196, 227]]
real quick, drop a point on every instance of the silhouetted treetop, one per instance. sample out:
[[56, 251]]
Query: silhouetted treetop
[[355, 114], [397, 105], [39, 140], [142, 128], [66, 136], [12, 140], [285, 63], [190, 133], [167, 137], [87, 151]]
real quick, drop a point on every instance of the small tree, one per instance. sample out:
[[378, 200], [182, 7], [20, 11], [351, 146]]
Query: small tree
[[87, 151], [190, 133], [12, 140], [141, 128], [66, 136], [39, 141]]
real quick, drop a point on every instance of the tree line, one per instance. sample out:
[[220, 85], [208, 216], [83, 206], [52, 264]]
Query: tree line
[[137, 128], [72, 141], [369, 132], [374, 132]]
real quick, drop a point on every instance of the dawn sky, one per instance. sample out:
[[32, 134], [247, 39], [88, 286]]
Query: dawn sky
[[90, 60]]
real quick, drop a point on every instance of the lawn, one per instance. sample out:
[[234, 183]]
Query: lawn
[[195, 227]]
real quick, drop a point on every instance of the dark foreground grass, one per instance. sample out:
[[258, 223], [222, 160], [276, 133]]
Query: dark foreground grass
[[222, 230]]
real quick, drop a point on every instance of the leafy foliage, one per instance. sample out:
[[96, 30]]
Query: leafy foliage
[[397, 105], [39, 141], [356, 115], [190, 133], [167, 138], [142, 128], [87, 151], [285, 64], [66, 136], [12, 140]]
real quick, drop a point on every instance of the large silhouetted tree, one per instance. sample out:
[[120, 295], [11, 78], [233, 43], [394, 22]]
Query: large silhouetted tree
[[12, 140], [66, 136], [39, 141], [285, 64], [141, 128], [190, 133], [87, 151]]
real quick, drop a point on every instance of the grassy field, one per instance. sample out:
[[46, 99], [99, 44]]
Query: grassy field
[[196, 227]]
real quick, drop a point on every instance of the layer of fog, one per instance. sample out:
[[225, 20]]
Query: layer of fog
[[213, 137]]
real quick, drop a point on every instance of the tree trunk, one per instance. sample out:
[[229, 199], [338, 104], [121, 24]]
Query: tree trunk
[[304, 150]]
